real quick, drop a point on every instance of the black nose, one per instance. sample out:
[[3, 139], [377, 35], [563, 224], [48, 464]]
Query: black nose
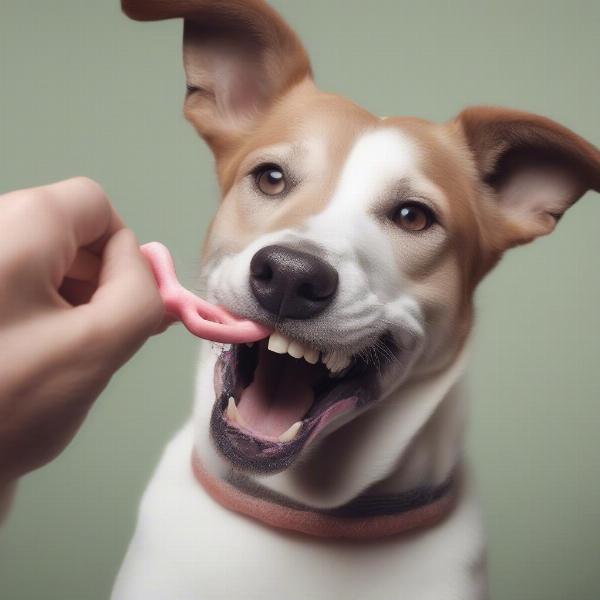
[[291, 283]]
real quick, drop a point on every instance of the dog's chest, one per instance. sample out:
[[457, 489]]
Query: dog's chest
[[187, 547]]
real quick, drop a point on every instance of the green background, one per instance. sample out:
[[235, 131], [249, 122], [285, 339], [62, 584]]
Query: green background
[[85, 91]]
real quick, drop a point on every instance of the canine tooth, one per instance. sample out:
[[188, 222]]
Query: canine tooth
[[291, 433], [330, 360], [333, 366], [296, 350], [311, 356], [339, 374], [233, 414], [343, 362], [278, 343], [336, 361]]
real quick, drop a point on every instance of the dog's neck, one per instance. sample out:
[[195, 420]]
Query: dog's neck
[[412, 440], [370, 516]]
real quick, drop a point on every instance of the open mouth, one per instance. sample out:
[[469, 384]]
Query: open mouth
[[274, 397]]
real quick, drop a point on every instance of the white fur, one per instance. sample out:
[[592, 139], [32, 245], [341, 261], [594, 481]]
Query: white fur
[[188, 547], [353, 239]]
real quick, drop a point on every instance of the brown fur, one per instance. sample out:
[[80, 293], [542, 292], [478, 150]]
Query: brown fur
[[469, 159]]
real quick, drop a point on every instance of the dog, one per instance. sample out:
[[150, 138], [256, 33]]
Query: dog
[[327, 460]]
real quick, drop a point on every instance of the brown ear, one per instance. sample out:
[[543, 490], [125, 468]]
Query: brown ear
[[535, 167], [239, 56]]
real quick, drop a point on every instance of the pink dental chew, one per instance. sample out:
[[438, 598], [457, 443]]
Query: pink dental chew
[[200, 317]]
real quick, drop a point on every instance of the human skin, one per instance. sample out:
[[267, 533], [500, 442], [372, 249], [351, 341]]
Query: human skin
[[77, 300]]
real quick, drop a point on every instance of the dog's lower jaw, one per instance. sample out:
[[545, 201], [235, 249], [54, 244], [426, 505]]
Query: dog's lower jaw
[[411, 438]]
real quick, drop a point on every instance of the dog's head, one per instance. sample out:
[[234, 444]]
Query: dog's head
[[360, 240]]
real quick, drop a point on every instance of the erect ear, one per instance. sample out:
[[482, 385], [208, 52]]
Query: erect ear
[[239, 57], [535, 167]]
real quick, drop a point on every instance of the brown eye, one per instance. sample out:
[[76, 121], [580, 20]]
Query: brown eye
[[270, 180], [413, 216]]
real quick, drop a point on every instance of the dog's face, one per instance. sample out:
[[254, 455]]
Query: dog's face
[[360, 240], [339, 228]]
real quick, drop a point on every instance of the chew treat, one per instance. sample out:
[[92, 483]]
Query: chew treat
[[200, 317]]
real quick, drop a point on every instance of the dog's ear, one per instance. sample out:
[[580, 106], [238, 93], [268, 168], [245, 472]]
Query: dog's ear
[[535, 167], [239, 57]]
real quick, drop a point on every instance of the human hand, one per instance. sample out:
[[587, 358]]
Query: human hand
[[77, 299]]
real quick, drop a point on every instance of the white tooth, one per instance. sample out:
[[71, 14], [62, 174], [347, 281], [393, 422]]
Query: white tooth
[[232, 411], [336, 361], [278, 343], [296, 350], [233, 414], [339, 374], [311, 355], [343, 362], [330, 360], [291, 433]]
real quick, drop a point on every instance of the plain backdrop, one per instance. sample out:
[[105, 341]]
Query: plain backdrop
[[85, 91]]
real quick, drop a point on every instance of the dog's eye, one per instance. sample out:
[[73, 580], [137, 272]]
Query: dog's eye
[[270, 180], [413, 216]]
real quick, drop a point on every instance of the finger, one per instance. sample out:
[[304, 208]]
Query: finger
[[63, 217], [77, 292], [85, 267], [81, 280], [127, 307], [86, 209]]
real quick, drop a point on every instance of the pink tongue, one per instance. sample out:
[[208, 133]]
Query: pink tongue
[[201, 318], [280, 394]]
